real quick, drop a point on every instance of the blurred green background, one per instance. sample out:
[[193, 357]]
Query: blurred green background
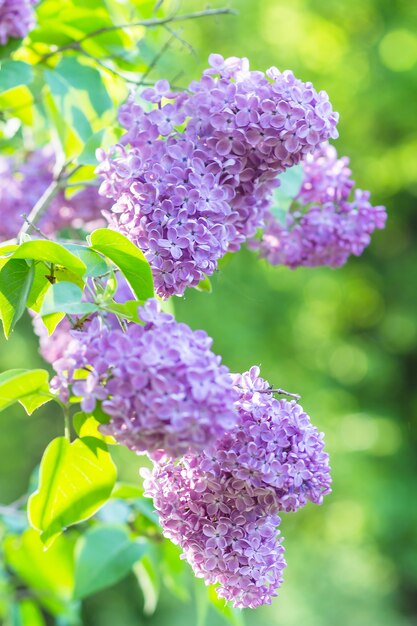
[[346, 340]]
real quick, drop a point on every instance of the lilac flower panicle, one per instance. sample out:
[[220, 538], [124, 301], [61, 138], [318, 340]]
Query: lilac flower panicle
[[22, 185], [160, 384], [274, 445], [221, 505], [226, 529], [192, 178], [17, 18], [326, 224], [52, 347]]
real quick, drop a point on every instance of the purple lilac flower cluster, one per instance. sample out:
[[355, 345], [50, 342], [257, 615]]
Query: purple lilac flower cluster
[[22, 186], [275, 445], [226, 528], [160, 383], [325, 224], [191, 179], [17, 18], [221, 505]]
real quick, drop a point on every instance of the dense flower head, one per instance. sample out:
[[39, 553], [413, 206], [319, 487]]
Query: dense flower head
[[325, 224], [17, 18], [160, 384], [226, 528], [191, 178], [21, 186], [221, 505], [274, 445]]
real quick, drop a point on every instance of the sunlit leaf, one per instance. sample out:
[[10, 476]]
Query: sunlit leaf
[[50, 252], [88, 426], [13, 74], [29, 387], [16, 278], [70, 73], [88, 155], [128, 310], [128, 258], [76, 479], [204, 285]]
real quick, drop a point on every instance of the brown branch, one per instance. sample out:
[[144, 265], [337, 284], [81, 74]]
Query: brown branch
[[45, 200], [150, 23]]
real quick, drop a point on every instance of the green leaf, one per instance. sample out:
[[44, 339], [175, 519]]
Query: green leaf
[[9, 47], [74, 74], [128, 310], [233, 616], [94, 262], [13, 74], [87, 426], [16, 278], [128, 258], [29, 387], [127, 491], [201, 602], [104, 555], [76, 479], [66, 298], [149, 581], [284, 195], [50, 252], [88, 155], [291, 181], [80, 123], [204, 285], [48, 574], [29, 614]]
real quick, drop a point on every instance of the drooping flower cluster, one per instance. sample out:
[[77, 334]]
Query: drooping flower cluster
[[226, 529], [160, 384], [22, 186], [17, 18], [221, 505], [191, 178], [275, 445], [325, 224]]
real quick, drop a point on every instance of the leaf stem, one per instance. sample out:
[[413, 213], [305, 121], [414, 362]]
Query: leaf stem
[[67, 426]]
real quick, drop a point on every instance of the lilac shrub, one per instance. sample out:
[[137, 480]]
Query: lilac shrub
[[22, 186], [192, 177], [160, 384], [328, 221], [17, 18]]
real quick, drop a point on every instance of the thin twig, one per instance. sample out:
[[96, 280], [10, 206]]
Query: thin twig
[[33, 226], [46, 198], [150, 23], [40, 207], [282, 392], [156, 58], [181, 40]]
